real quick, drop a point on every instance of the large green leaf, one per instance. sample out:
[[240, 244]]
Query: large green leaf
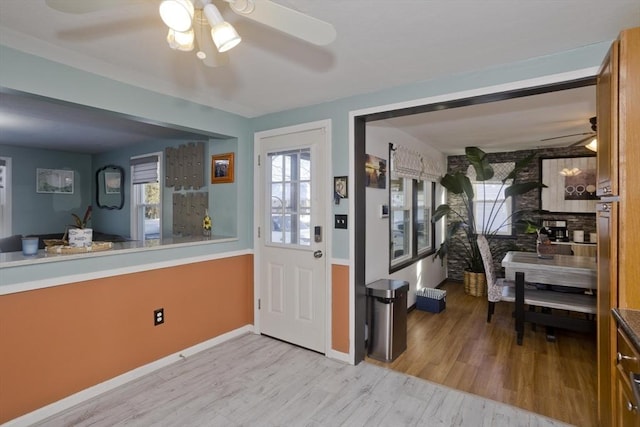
[[457, 183], [441, 211], [480, 163]]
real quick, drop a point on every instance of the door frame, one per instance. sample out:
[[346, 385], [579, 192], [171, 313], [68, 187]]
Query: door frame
[[326, 217], [358, 120]]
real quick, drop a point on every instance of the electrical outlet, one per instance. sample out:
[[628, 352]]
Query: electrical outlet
[[158, 317]]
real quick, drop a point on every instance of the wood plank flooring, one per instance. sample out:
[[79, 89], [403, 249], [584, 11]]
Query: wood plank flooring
[[258, 381], [459, 349]]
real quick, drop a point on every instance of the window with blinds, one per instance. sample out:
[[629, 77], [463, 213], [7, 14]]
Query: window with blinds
[[146, 195], [145, 169], [412, 202], [5, 199]]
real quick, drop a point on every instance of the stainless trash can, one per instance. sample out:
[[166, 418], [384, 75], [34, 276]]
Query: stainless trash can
[[387, 319]]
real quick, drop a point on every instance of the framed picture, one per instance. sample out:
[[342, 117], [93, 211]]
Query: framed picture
[[571, 184], [222, 168], [340, 187], [112, 182], [54, 181], [376, 172]]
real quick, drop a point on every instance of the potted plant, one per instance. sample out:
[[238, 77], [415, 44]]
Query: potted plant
[[463, 229], [79, 234]]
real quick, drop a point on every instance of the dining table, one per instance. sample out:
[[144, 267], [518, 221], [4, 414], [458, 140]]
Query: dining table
[[562, 285]]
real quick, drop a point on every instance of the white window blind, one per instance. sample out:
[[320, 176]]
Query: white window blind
[[410, 164], [144, 169], [406, 163]]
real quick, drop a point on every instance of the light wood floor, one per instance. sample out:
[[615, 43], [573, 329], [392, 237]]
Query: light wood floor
[[257, 381], [457, 348]]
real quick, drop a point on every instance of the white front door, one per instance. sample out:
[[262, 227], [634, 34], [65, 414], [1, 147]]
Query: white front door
[[292, 266]]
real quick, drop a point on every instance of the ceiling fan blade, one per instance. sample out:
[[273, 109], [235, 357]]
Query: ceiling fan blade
[[86, 6], [287, 20], [567, 136], [583, 140]]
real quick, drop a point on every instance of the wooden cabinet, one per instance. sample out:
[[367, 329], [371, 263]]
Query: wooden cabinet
[[627, 364], [627, 412], [618, 221], [606, 297], [607, 115]]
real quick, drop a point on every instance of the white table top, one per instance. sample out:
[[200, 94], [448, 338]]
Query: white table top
[[574, 243], [565, 270]]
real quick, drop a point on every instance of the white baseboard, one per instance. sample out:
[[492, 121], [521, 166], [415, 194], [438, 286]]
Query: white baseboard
[[342, 357], [91, 392]]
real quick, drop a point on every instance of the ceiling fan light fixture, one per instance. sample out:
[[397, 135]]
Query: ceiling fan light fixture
[[177, 14], [225, 36], [570, 172], [181, 40], [593, 145]]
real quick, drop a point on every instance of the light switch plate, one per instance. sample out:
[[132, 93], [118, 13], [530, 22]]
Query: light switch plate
[[340, 221]]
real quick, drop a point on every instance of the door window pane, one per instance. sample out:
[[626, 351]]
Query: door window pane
[[290, 186]]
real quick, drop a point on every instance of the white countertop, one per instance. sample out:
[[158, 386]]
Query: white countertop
[[574, 243], [14, 259]]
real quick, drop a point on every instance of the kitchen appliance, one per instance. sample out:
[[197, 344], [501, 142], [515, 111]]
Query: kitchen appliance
[[557, 230]]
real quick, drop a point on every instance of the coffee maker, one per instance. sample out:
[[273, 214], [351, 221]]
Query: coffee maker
[[557, 230]]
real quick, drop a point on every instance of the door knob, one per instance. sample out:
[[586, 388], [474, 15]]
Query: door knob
[[317, 254]]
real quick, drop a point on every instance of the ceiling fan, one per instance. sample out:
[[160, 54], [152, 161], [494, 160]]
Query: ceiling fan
[[590, 136], [200, 22]]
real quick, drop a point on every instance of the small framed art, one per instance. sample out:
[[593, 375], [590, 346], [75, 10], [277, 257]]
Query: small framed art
[[222, 168]]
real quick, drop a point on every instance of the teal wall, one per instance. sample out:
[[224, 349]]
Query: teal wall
[[44, 213], [28, 73], [338, 111], [37, 213], [31, 74]]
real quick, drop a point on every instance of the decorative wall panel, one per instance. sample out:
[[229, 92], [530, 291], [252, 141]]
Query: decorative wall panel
[[185, 166], [188, 212]]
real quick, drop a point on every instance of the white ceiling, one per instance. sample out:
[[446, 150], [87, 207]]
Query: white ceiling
[[554, 119], [379, 45]]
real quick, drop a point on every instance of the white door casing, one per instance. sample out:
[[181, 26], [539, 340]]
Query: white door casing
[[291, 264]]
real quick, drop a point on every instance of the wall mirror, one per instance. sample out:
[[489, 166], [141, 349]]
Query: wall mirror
[[110, 187]]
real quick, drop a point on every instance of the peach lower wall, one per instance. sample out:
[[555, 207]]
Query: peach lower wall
[[60, 340], [340, 308]]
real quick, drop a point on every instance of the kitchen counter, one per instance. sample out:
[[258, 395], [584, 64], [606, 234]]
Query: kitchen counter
[[11, 259], [629, 321]]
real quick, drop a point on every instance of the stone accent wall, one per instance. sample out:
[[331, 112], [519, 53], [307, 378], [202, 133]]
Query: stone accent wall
[[531, 200]]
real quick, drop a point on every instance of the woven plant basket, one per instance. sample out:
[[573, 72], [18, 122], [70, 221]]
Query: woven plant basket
[[475, 284]]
